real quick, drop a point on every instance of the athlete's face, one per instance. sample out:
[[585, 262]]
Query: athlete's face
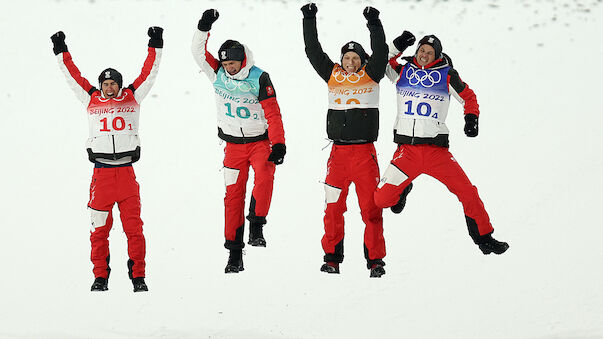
[[232, 66], [425, 55], [110, 88], [351, 62]]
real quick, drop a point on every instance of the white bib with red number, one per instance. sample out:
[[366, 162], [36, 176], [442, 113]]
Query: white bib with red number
[[113, 116], [113, 123]]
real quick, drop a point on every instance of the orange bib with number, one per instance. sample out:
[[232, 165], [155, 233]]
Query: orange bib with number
[[352, 90]]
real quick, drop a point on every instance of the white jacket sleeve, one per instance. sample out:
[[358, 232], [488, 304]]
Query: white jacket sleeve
[[80, 86], [208, 64], [390, 72]]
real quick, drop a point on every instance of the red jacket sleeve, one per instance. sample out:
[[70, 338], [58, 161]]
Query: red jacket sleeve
[[272, 111], [276, 133]]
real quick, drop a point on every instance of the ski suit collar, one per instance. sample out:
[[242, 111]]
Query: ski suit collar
[[437, 62], [115, 97]]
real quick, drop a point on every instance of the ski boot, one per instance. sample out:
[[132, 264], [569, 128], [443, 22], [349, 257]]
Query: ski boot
[[235, 262], [487, 245], [399, 206], [377, 271], [330, 267], [139, 285], [256, 235], [99, 284]]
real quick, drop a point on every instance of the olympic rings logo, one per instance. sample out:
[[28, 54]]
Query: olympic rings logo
[[341, 76], [232, 84], [425, 78]]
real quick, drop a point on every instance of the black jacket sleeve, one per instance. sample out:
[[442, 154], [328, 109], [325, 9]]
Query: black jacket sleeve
[[319, 59], [455, 80], [266, 87], [375, 67]]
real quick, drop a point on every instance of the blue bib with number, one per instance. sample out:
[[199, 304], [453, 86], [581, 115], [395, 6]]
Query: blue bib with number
[[238, 108], [423, 93]]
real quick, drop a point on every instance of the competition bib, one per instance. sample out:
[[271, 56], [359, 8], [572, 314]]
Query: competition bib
[[237, 100], [423, 93], [352, 90], [113, 116]]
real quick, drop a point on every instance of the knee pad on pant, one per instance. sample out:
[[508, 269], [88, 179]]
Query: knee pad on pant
[[230, 176], [332, 194], [98, 218], [393, 176]]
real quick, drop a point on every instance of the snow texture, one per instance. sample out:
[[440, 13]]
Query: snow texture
[[533, 67]]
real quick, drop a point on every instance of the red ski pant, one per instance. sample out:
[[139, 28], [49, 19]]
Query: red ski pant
[[110, 186], [352, 164], [237, 159], [412, 160]]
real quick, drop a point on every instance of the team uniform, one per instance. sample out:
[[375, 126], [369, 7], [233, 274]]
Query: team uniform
[[353, 126], [423, 97], [249, 120], [113, 145]]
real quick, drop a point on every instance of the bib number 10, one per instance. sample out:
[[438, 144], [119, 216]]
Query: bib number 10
[[118, 124], [348, 102], [423, 109], [241, 111]]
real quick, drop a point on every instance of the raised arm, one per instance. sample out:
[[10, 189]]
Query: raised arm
[[319, 59], [375, 67], [142, 85], [401, 43], [80, 86], [208, 64]]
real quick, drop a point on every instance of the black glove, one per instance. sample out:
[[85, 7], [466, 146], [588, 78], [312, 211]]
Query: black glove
[[155, 34], [471, 125], [405, 40], [309, 10], [278, 154], [207, 19], [58, 43], [371, 14]]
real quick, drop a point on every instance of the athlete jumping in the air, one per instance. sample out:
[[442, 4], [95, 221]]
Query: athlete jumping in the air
[[353, 126], [424, 83], [249, 120], [113, 145]]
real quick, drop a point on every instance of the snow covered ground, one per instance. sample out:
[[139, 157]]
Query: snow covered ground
[[536, 162]]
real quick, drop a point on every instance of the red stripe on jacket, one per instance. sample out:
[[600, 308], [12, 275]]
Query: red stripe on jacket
[[75, 72], [393, 61], [210, 58], [146, 68]]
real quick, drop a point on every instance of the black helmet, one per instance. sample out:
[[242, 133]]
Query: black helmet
[[432, 41], [111, 74], [355, 47], [231, 50]]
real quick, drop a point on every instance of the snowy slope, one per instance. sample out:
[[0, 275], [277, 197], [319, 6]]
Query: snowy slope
[[536, 163]]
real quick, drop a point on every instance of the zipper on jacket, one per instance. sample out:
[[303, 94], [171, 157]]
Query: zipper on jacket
[[412, 141], [114, 155]]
